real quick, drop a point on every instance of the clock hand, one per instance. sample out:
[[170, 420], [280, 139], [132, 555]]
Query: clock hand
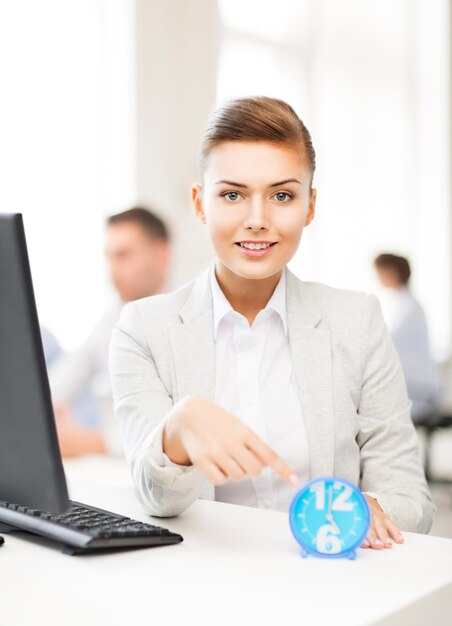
[[330, 518], [329, 515]]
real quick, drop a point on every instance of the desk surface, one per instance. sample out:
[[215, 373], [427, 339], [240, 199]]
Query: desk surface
[[236, 565]]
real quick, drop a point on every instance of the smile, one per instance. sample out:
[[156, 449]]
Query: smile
[[257, 249], [255, 246]]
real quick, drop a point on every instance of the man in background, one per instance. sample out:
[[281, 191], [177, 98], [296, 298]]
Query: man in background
[[407, 326], [138, 255]]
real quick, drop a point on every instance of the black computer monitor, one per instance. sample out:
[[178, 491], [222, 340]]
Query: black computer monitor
[[31, 470]]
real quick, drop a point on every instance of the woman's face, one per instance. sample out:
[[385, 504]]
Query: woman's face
[[258, 193]]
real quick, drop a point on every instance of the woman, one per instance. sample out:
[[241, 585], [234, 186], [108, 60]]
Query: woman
[[247, 382]]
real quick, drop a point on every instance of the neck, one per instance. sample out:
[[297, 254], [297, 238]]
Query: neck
[[246, 295]]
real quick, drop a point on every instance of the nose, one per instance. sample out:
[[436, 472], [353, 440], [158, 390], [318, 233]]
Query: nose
[[256, 218]]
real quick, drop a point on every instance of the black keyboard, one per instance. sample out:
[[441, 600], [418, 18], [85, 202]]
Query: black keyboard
[[84, 528]]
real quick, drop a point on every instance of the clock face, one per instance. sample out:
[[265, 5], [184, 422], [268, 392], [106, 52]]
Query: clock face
[[329, 517]]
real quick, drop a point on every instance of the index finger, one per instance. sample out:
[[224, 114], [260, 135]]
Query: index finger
[[269, 457]]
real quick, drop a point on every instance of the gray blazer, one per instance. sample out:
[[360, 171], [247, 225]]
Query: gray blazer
[[351, 386]]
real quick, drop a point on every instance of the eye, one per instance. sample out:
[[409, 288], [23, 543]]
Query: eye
[[233, 196], [283, 196]]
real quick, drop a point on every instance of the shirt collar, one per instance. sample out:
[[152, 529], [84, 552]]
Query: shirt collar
[[222, 306]]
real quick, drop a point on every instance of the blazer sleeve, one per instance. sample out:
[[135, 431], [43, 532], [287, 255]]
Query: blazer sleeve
[[390, 462], [141, 402]]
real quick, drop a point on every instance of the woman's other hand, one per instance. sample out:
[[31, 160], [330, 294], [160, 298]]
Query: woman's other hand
[[199, 432], [383, 529]]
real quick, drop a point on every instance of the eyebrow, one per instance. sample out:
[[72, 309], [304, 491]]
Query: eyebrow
[[281, 182]]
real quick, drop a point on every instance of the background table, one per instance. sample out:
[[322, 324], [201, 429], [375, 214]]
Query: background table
[[237, 565]]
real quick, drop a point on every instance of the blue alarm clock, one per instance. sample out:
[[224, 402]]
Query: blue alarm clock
[[329, 517]]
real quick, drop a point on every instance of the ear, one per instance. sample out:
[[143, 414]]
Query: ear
[[163, 249], [196, 196], [311, 210]]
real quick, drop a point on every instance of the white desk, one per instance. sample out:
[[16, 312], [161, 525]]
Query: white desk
[[236, 565]]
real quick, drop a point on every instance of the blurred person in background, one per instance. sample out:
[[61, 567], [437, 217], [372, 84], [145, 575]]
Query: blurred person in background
[[83, 406], [407, 325], [137, 250]]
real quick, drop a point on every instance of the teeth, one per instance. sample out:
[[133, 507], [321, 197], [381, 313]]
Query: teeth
[[255, 246]]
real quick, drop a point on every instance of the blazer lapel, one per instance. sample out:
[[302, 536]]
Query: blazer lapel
[[312, 362], [193, 344]]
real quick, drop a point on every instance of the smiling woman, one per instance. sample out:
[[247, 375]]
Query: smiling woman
[[247, 381], [271, 195]]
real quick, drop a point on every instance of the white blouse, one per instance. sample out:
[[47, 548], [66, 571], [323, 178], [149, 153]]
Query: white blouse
[[255, 382]]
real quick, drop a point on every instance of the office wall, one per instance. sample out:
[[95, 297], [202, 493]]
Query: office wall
[[177, 45]]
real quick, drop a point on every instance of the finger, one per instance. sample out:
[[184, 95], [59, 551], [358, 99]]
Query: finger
[[382, 534], [249, 461], [374, 541], [269, 457], [365, 544], [230, 467], [394, 532], [213, 472]]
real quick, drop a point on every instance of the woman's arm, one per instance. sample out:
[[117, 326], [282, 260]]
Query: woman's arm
[[142, 405], [390, 459]]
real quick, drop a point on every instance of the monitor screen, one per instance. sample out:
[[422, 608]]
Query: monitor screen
[[31, 470]]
